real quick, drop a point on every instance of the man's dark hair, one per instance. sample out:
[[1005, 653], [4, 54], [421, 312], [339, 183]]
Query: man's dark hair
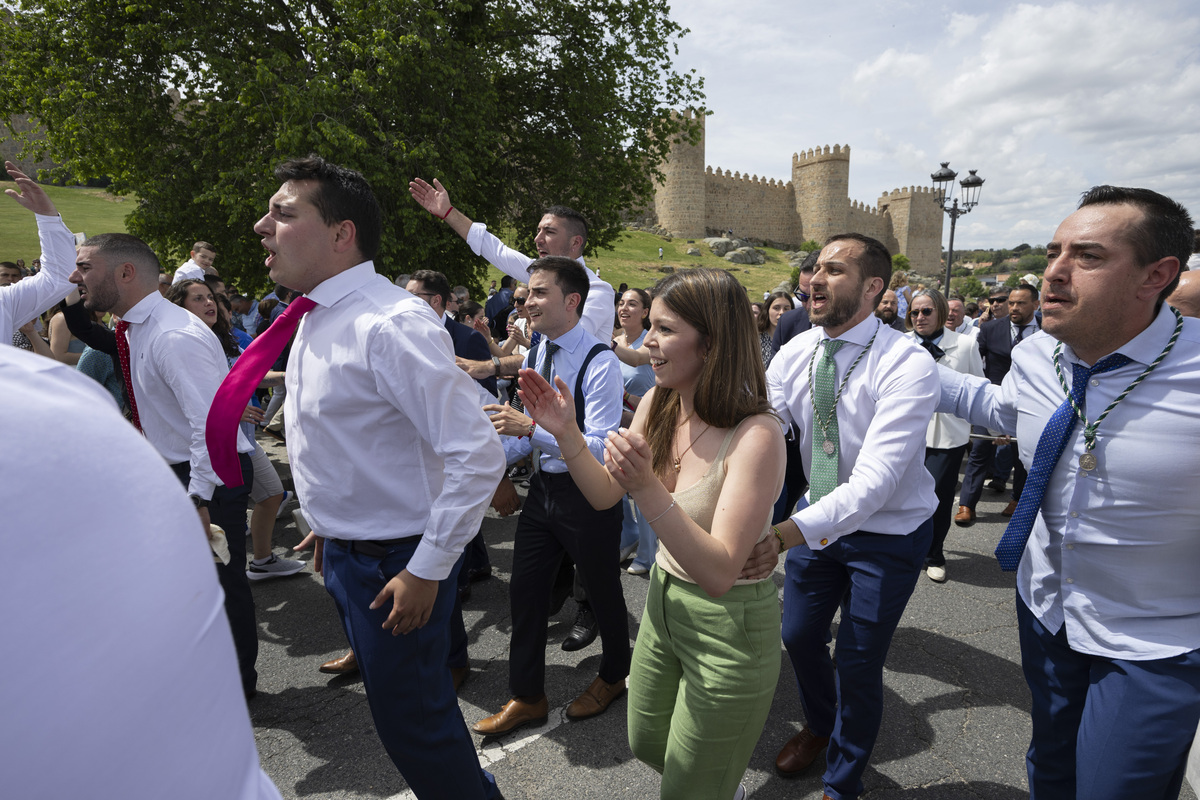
[[1025, 287], [958, 297], [434, 283], [1165, 230], [341, 194], [576, 224], [212, 281], [875, 262], [569, 275], [1196, 241], [122, 247], [809, 264], [10, 265], [998, 294], [507, 282]]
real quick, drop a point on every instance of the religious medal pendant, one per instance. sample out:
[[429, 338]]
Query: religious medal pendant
[[829, 447], [1087, 461]]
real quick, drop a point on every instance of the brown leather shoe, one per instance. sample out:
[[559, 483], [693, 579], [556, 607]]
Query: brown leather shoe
[[514, 714], [460, 675], [1010, 509], [799, 753], [340, 666], [595, 699], [965, 516]]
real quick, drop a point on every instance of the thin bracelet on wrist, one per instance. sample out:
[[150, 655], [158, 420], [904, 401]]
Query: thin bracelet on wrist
[[663, 514], [443, 218]]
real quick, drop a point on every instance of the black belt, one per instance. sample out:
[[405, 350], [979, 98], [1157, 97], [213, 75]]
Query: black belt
[[371, 548]]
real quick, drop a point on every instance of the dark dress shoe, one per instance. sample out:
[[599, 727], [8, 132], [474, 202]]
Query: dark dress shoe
[[583, 632], [1010, 509], [464, 593], [514, 714], [595, 699], [799, 753], [460, 675], [996, 485], [340, 666], [479, 574], [965, 516]]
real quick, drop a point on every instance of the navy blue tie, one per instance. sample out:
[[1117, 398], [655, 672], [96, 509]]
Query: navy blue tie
[[1049, 450]]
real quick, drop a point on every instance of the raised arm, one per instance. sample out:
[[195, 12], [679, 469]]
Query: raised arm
[[436, 200], [23, 301]]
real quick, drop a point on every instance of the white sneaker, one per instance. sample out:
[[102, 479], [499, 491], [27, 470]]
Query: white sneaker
[[274, 568], [627, 552], [741, 792], [936, 574], [287, 498], [637, 569]]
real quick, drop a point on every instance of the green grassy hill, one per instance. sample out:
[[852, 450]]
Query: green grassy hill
[[85, 210], [634, 260]]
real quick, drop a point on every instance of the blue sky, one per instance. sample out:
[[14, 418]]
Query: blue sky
[[1044, 100]]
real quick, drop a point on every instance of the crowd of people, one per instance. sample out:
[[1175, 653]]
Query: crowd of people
[[674, 427]]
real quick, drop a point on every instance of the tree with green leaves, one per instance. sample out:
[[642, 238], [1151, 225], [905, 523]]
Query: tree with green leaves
[[969, 288], [189, 105], [900, 263]]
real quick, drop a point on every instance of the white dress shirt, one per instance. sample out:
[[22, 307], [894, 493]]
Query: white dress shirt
[[603, 389], [188, 271], [385, 433], [599, 308], [947, 431], [1113, 552], [969, 327], [177, 365], [22, 301], [883, 486], [137, 569]]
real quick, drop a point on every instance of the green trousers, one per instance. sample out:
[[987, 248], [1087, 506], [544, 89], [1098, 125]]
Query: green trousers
[[703, 676]]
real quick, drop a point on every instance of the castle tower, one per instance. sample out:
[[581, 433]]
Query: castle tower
[[917, 226], [679, 195], [822, 181]]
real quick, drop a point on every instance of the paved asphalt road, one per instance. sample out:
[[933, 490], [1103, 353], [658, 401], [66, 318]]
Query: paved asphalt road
[[955, 721]]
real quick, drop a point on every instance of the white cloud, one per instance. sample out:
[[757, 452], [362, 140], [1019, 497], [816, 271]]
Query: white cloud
[[1044, 100]]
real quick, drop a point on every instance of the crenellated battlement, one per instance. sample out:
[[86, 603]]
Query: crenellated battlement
[[692, 198]]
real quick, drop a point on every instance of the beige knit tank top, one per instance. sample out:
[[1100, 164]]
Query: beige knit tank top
[[699, 501]]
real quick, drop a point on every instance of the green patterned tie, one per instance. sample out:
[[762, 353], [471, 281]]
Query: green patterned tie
[[824, 473]]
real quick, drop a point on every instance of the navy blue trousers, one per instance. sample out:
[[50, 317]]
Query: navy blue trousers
[[408, 684], [943, 466], [1104, 728], [227, 510], [870, 576]]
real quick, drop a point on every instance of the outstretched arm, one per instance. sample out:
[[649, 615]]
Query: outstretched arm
[[436, 200], [23, 301]]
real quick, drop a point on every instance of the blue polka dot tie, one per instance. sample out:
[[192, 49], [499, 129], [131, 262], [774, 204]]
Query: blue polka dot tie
[[1049, 450]]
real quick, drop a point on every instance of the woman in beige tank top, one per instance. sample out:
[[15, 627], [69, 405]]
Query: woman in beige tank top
[[704, 459]]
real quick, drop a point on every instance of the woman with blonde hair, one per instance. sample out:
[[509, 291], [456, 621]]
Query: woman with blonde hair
[[904, 295], [704, 460]]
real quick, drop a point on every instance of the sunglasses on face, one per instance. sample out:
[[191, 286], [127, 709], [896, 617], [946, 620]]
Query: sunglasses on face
[[922, 312], [520, 301], [803, 297]]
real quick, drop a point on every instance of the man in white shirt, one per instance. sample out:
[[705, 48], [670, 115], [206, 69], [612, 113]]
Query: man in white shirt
[[1108, 603], [557, 519], [958, 321], [394, 462], [25, 299], [173, 365], [859, 537], [198, 265], [142, 701]]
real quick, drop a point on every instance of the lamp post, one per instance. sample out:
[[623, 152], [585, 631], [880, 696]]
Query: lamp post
[[970, 198]]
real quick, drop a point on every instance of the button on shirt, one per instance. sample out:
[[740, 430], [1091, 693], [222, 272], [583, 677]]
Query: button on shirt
[[601, 300], [385, 433], [22, 301], [602, 391], [1113, 551], [177, 365], [883, 486]]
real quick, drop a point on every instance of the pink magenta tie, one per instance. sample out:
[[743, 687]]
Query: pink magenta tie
[[220, 432]]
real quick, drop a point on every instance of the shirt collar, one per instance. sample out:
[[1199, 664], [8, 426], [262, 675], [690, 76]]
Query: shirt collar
[[142, 309], [331, 290], [860, 334], [1146, 346], [571, 339]]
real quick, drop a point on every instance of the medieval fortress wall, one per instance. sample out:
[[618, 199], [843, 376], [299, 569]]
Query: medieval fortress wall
[[692, 201]]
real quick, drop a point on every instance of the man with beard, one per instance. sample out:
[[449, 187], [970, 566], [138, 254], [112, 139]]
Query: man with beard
[[1104, 540], [889, 311], [861, 396]]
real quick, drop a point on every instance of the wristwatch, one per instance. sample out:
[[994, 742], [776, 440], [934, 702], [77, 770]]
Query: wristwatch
[[496, 361], [198, 501]]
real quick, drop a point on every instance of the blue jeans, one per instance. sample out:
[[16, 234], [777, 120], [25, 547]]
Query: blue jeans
[[634, 528]]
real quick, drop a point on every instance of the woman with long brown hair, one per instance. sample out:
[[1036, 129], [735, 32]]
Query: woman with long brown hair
[[703, 459]]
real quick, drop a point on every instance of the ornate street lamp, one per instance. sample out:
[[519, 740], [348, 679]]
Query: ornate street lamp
[[942, 180]]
